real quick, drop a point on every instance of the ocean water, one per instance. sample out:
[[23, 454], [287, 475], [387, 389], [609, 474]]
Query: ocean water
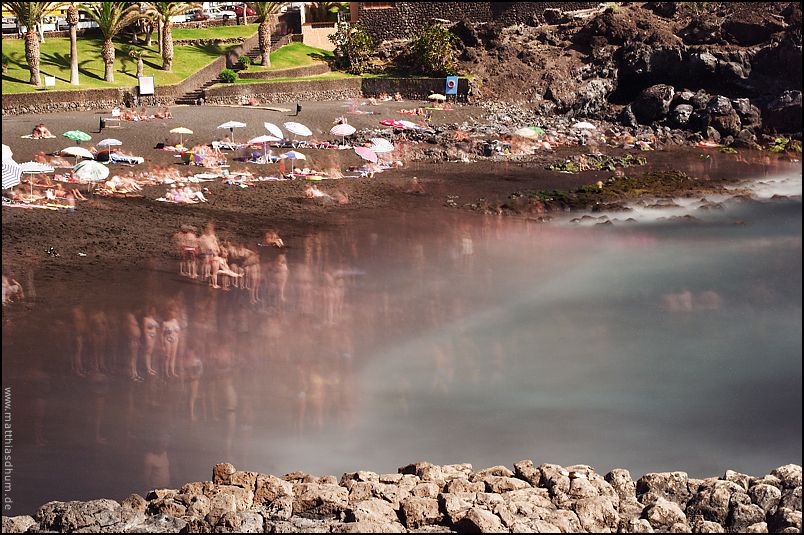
[[663, 343]]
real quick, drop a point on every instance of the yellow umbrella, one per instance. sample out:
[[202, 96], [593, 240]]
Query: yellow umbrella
[[181, 131]]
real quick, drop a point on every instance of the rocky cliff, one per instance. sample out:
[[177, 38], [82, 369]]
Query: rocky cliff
[[426, 498]]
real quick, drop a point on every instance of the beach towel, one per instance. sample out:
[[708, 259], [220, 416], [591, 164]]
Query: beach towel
[[30, 136]]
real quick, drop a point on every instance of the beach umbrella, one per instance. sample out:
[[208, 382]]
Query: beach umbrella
[[35, 168], [538, 129], [231, 125], [110, 142], [437, 96], [6, 151], [181, 131], [11, 172], [78, 152], [298, 129], [264, 140], [381, 145], [274, 130], [293, 155], [77, 136], [342, 130], [366, 153], [91, 170]]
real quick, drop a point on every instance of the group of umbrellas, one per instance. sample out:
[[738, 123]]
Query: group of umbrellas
[[85, 170]]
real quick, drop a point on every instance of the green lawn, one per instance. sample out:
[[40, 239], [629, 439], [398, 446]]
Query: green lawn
[[55, 60], [294, 55]]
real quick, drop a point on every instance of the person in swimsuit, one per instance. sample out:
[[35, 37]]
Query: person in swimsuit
[[134, 342], [80, 335], [150, 327], [170, 341], [209, 248]]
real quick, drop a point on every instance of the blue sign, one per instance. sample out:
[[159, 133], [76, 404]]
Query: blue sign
[[452, 85]]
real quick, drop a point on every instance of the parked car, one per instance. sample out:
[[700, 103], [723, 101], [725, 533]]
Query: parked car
[[218, 13], [197, 16], [239, 10]]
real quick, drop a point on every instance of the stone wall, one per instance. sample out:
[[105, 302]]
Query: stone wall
[[407, 17], [311, 70], [280, 92], [409, 88], [427, 498]]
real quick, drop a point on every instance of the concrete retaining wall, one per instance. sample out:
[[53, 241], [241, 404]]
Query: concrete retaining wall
[[312, 70]]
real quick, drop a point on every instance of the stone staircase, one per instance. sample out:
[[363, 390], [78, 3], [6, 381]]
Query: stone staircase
[[195, 96]]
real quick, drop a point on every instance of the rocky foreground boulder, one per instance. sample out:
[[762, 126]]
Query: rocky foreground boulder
[[426, 498]]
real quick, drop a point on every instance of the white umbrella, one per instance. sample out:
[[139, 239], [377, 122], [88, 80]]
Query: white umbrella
[[78, 152], [231, 125], [293, 155], [91, 170], [11, 172], [274, 130], [437, 96], [35, 168], [380, 145], [410, 125], [110, 142], [583, 125], [264, 140], [298, 129], [342, 130], [6, 151]]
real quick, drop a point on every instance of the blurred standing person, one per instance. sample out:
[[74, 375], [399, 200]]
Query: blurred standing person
[[171, 330], [80, 331], [134, 338], [150, 328]]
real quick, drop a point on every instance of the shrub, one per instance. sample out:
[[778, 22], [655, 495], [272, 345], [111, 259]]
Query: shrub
[[244, 62], [228, 76], [434, 50], [353, 48]]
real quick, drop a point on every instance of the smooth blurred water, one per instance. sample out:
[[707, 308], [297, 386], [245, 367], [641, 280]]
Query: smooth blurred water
[[652, 345]]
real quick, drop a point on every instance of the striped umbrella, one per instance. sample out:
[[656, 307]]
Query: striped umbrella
[[91, 170], [77, 135], [6, 151], [11, 172]]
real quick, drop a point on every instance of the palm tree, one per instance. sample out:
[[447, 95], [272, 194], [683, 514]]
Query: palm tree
[[265, 12], [322, 11], [30, 15], [164, 11], [112, 18], [72, 20]]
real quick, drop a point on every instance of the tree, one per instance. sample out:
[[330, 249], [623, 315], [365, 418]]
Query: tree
[[112, 18], [265, 13], [353, 47], [139, 55], [72, 20], [324, 11], [30, 15], [433, 50], [164, 11]]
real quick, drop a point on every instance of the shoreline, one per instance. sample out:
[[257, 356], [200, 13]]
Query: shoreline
[[423, 497]]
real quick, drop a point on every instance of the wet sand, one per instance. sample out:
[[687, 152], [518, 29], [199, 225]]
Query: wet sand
[[127, 232]]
